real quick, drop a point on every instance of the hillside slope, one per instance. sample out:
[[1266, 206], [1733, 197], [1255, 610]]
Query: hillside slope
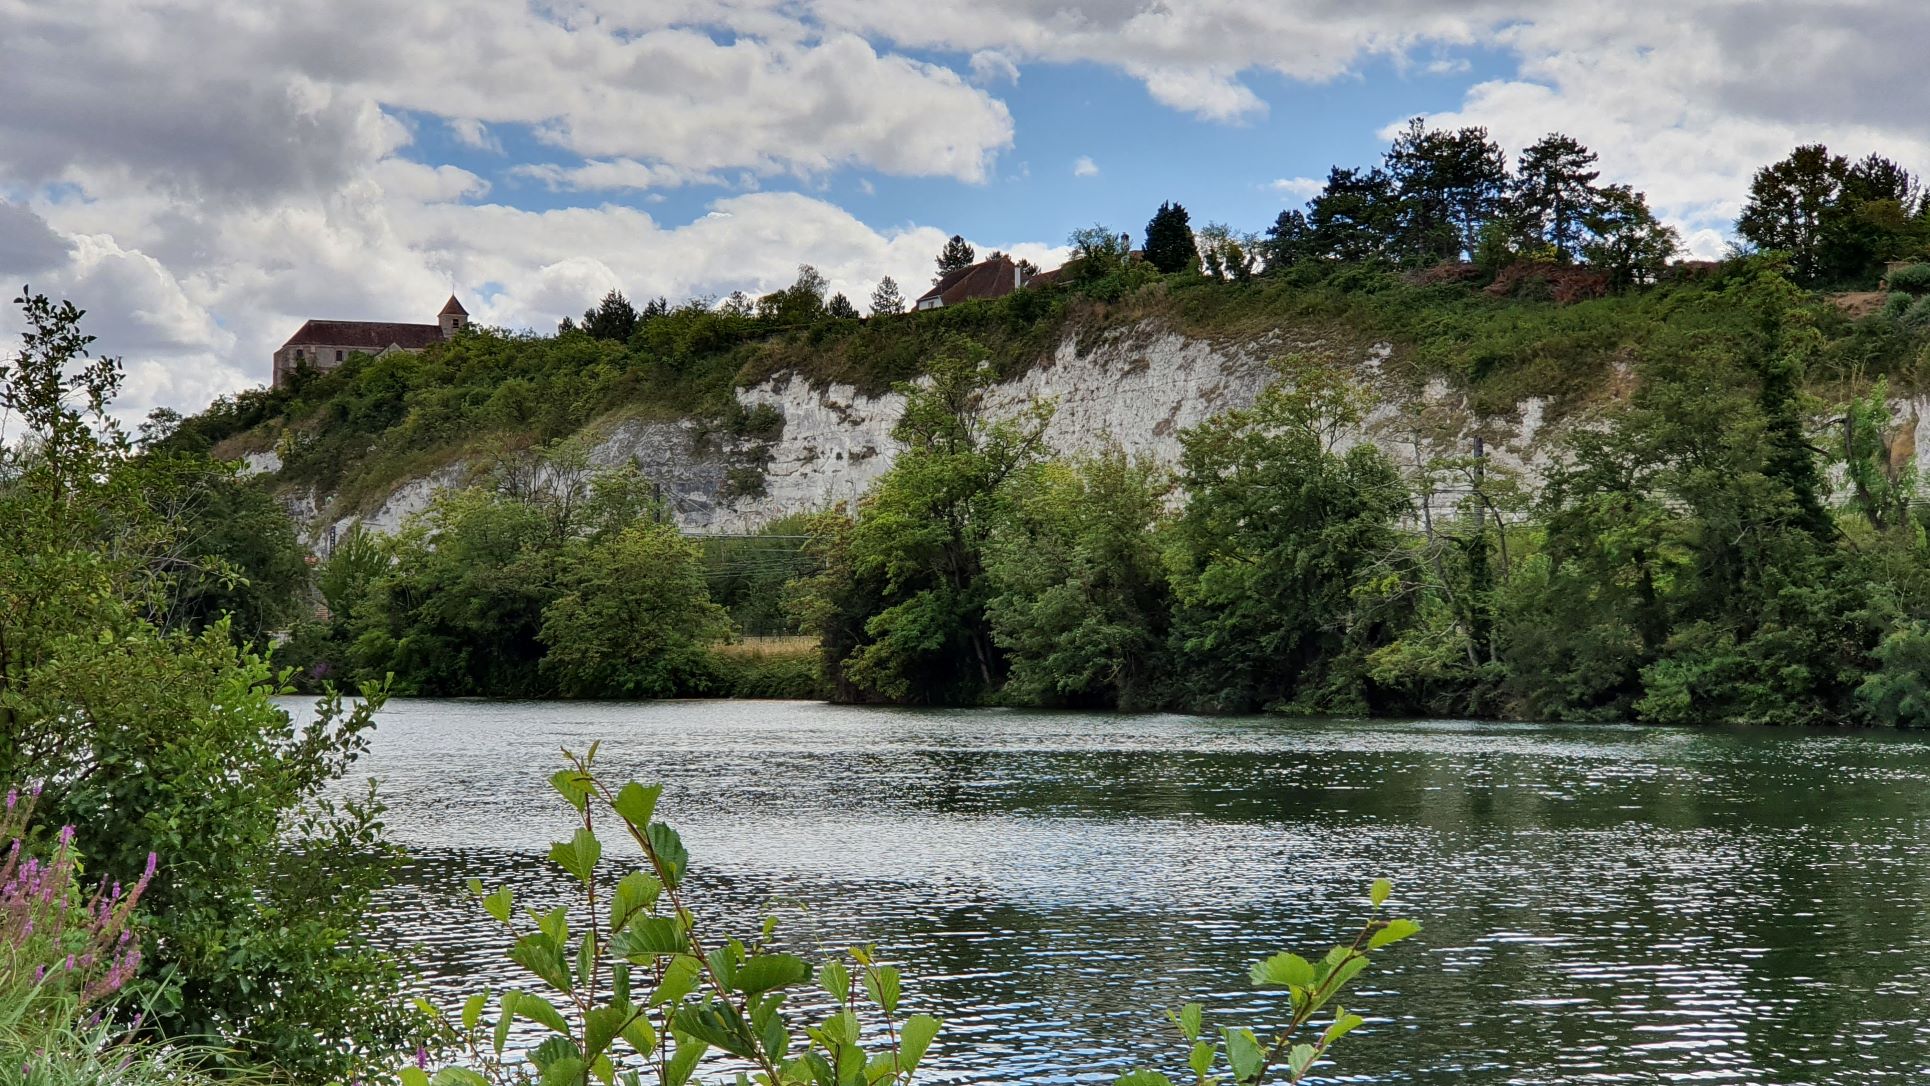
[[739, 420]]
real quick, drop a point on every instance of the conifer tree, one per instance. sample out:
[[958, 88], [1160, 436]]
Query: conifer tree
[[957, 253], [840, 306], [1555, 193], [1169, 240], [886, 300]]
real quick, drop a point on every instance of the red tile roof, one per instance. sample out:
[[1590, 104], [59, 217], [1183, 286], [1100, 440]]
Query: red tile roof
[[453, 307], [370, 336], [985, 279]]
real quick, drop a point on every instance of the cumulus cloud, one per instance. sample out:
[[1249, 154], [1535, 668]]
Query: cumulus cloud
[[1297, 188], [215, 172], [28, 246], [1084, 166]]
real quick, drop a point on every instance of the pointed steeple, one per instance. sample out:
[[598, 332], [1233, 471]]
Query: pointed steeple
[[452, 317]]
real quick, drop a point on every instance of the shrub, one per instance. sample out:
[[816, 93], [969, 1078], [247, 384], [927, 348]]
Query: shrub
[[1913, 278], [1918, 315], [65, 957], [1895, 305]]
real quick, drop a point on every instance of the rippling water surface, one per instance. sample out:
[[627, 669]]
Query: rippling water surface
[[1602, 904]]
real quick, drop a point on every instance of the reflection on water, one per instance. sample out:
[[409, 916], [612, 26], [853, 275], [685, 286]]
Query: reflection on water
[[1602, 904]]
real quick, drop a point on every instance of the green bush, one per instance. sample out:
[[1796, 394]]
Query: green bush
[[1918, 315], [1914, 278]]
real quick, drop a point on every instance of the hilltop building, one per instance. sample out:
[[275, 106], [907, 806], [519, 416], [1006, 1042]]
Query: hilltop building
[[324, 345], [993, 278]]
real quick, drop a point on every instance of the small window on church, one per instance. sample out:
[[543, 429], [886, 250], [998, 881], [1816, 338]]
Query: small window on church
[[338, 356], [298, 354]]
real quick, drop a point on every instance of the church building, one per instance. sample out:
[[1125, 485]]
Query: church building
[[324, 345]]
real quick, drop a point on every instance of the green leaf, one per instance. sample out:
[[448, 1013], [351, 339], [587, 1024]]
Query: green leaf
[[881, 983], [541, 1011], [914, 1038], [1190, 1020], [719, 1024], [414, 1076], [1284, 969], [835, 979], [635, 896], [503, 1020], [472, 1009], [768, 972], [578, 855], [457, 1076], [637, 803], [603, 1025], [641, 1035], [1299, 1060], [680, 978], [1394, 932], [555, 924], [689, 1051], [539, 954], [1142, 1078], [497, 904], [1342, 1025], [1243, 1054], [566, 1071], [1200, 1059], [573, 786], [671, 855], [649, 938], [1378, 893]]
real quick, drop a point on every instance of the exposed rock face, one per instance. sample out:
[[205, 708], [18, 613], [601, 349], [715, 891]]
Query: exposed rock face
[[1139, 386]]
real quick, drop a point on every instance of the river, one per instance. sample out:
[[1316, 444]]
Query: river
[[1601, 903]]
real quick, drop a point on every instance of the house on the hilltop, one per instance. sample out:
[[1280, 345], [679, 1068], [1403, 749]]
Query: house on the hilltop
[[993, 278], [324, 345]]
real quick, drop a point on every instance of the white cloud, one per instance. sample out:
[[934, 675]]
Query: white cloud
[[605, 175], [1084, 166], [1297, 188], [990, 66]]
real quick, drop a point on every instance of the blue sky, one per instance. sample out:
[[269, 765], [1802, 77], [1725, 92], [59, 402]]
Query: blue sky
[[1143, 153]]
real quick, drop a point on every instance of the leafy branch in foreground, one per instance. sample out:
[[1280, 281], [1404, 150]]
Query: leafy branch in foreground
[[646, 995], [1295, 1046]]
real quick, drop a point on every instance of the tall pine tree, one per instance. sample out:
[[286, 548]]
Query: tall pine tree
[[957, 253]]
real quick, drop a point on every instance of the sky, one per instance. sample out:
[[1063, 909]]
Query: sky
[[204, 175]]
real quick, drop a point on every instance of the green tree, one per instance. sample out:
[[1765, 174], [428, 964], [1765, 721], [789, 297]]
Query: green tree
[[957, 253], [886, 300], [1449, 184], [1286, 240], [1280, 529], [170, 742], [914, 558], [1169, 240], [632, 618], [798, 304], [1079, 596], [1625, 241], [1555, 194], [612, 318], [840, 308], [1355, 218], [1789, 204], [1226, 255]]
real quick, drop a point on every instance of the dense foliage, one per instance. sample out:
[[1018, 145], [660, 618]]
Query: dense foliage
[[154, 730], [1670, 570]]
